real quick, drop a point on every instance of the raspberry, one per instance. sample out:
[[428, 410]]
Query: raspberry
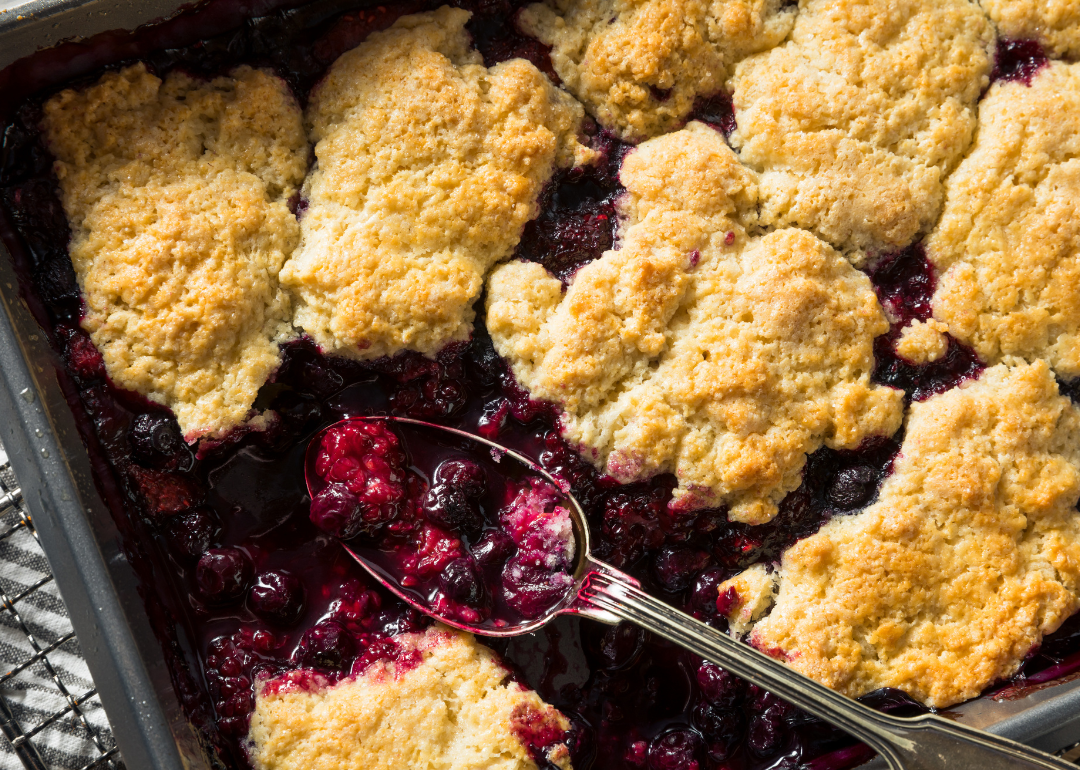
[[364, 464]]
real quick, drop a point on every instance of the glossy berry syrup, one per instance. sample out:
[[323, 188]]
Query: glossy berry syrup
[[241, 583], [1018, 60]]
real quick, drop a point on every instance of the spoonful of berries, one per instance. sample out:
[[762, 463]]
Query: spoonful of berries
[[483, 539]]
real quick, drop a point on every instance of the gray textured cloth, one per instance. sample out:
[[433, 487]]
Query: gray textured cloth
[[82, 735]]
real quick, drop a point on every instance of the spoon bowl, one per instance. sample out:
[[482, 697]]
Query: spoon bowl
[[600, 592], [417, 438]]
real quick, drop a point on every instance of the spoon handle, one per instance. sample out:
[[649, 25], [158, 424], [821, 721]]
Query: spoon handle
[[926, 742]]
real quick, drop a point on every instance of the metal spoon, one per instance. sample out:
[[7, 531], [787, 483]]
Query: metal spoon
[[602, 593]]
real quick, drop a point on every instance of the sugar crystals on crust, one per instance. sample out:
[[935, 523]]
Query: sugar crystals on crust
[[639, 66], [1007, 247], [177, 193], [445, 702], [1054, 23], [429, 164], [970, 555], [856, 119], [694, 348]]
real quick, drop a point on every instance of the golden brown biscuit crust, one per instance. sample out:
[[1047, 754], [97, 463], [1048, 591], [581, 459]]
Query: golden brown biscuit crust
[[453, 708], [694, 348], [177, 192], [639, 65], [970, 555], [856, 119], [1007, 247], [429, 166]]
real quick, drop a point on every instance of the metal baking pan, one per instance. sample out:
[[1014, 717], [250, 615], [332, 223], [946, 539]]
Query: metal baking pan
[[77, 531]]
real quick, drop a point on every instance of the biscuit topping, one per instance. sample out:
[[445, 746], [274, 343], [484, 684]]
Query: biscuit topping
[[694, 348], [176, 193], [970, 555], [1007, 247], [442, 701], [428, 167], [856, 119], [639, 67]]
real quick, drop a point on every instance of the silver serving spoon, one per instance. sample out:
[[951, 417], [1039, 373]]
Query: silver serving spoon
[[602, 593]]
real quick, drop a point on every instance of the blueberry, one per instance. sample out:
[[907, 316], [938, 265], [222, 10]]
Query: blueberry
[[676, 567], [494, 548], [327, 644], [852, 487], [155, 437], [462, 475], [396, 621], [192, 533], [621, 645], [767, 733], [461, 583], [223, 574], [675, 750], [724, 725], [719, 687], [336, 511], [451, 509], [704, 593], [533, 590], [277, 597]]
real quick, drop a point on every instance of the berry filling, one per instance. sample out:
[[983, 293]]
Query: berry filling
[[241, 579], [1018, 60]]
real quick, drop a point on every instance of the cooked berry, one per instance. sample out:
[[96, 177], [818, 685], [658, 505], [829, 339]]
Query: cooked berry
[[718, 724], [494, 548], [192, 533], [397, 620], [57, 281], [675, 750], [675, 567], [464, 476], [277, 597], [363, 459], [767, 733], [461, 583], [326, 645], [630, 524], [165, 493], [336, 510], [704, 592], [621, 645], [450, 507], [83, 357], [356, 606], [533, 590], [223, 574], [719, 687], [852, 487], [155, 437]]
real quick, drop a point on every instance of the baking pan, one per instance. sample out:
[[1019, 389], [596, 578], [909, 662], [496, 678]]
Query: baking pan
[[77, 531]]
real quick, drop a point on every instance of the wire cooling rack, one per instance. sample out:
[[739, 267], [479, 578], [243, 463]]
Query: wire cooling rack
[[50, 713]]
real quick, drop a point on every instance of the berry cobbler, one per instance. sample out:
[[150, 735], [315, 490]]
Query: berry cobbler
[[785, 294]]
